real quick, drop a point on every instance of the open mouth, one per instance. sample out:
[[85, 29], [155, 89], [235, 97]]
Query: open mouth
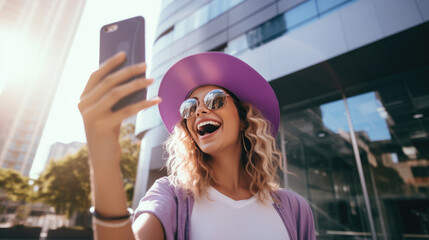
[[207, 127]]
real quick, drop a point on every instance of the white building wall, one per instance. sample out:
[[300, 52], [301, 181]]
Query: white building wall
[[355, 25]]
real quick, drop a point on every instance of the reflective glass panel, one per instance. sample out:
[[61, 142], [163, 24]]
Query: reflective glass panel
[[217, 7], [266, 32], [18, 167], [325, 5], [201, 17], [237, 45], [180, 29], [322, 168], [300, 14], [392, 129]]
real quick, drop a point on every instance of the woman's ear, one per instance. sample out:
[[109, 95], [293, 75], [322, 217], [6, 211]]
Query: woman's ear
[[242, 125]]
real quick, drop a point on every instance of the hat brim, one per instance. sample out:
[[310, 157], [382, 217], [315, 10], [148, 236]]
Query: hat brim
[[220, 69]]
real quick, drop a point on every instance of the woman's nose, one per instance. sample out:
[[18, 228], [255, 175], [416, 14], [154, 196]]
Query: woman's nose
[[201, 109]]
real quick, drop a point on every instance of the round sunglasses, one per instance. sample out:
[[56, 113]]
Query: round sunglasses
[[213, 100]]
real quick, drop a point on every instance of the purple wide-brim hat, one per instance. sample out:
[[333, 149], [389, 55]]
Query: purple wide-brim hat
[[220, 69]]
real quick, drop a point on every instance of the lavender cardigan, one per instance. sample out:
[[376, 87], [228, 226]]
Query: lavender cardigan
[[169, 204]]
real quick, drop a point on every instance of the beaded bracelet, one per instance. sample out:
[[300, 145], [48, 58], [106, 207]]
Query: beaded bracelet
[[101, 217], [110, 224]]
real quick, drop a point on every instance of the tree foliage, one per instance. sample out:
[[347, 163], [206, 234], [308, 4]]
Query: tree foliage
[[65, 183], [130, 153], [15, 185]]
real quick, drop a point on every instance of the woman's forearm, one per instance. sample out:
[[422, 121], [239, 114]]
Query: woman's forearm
[[106, 87], [109, 200]]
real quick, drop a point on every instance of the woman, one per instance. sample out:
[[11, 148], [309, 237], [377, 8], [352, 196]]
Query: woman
[[222, 163]]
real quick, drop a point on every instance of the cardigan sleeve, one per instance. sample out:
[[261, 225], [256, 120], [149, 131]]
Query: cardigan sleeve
[[161, 201], [301, 219], [305, 221]]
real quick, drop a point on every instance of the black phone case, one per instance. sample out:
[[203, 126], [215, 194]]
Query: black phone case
[[129, 36]]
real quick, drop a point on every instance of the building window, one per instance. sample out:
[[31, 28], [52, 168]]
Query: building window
[[12, 155], [180, 29], [384, 122], [300, 14], [325, 6], [266, 32], [20, 157], [391, 139], [17, 166], [217, 7], [200, 17], [320, 157], [28, 136], [14, 145], [237, 45], [24, 147], [195, 20], [281, 24]]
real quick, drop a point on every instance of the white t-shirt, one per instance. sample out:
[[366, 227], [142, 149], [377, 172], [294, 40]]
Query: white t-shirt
[[224, 218]]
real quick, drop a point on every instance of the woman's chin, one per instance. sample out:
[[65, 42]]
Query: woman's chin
[[209, 150]]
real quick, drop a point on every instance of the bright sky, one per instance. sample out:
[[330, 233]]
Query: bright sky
[[64, 123]]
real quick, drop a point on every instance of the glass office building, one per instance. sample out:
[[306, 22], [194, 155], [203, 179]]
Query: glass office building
[[35, 39], [352, 79]]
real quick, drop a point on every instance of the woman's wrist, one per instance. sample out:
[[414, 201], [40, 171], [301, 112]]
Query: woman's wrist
[[104, 166], [106, 177], [108, 191], [100, 216]]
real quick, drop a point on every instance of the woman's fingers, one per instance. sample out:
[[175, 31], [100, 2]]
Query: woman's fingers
[[120, 91], [104, 105], [104, 69], [105, 88], [133, 109], [106, 119], [110, 81]]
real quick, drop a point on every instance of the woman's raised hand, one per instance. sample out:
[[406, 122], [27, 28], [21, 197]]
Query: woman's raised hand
[[102, 126]]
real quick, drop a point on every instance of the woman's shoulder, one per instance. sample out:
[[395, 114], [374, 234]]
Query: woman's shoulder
[[296, 208], [291, 199], [163, 184], [166, 186], [161, 195]]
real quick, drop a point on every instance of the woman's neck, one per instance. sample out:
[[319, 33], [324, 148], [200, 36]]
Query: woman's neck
[[229, 175]]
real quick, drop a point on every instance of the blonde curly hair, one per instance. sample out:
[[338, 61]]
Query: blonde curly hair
[[191, 169]]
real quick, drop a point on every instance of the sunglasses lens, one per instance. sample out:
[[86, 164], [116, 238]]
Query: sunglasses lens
[[215, 99], [188, 108]]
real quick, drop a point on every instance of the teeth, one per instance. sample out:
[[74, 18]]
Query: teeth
[[201, 124]]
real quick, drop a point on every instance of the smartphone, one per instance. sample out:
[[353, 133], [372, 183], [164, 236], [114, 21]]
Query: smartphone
[[129, 36]]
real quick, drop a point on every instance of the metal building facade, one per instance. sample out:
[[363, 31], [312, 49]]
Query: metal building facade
[[352, 82]]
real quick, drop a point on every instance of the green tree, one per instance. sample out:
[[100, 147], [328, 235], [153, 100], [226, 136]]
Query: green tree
[[15, 185], [129, 159], [17, 189], [65, 182]]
